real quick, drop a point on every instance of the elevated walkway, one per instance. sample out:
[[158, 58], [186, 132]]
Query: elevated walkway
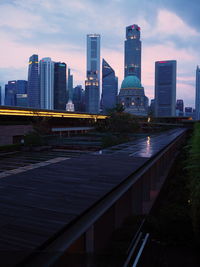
[[75, 204]]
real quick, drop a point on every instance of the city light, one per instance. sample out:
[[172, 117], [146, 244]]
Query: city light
[[35, 113]]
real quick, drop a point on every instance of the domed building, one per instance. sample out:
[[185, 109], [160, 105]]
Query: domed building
[[132, 96]]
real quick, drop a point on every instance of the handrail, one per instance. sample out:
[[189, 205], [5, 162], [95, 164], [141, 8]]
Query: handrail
[[141, 250]]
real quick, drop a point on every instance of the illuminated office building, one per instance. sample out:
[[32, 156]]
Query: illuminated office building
[[60, 93], [165, 88], [132, 52], [92, 86], [33, 90], [109, 87], [46, 74]]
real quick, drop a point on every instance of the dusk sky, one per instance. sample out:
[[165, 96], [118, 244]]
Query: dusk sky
[[170, 29]]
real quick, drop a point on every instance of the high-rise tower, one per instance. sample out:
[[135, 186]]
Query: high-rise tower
[[46, 83], [33, 90], [132, 52], [109, 87], [92, 87], [165, 88], [60, 93], [69, 85], [197, 98], [93, 54], [92, 93]]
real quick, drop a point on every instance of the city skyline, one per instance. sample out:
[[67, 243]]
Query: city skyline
[[24, 33]]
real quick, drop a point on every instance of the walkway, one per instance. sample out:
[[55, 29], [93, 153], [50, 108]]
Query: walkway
[[37, 205]]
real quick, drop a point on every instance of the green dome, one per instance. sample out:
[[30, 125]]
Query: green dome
[[131, 82]]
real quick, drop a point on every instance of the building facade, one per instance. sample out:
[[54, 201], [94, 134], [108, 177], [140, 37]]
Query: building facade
[[60, 83], [132, 52], [22, 100], [197, 97], [33, 89], [46, 74], [132, 96], [78, 98], [179, 108], [165, 88], [92, 83], [69, 85], [12, 89], [93, 54], [109, 87], [22, 87], [92, 93], [10, 93]]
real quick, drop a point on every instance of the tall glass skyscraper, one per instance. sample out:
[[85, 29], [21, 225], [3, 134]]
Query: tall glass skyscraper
[[92, 93], [132, 58], [93, 54], [46, 74], [197, 98], [165, 88], [92, 87], [60, 80], [33, 90], [109, 87]]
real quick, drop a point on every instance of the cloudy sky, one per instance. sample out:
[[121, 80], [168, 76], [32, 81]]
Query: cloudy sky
[[170, 29]]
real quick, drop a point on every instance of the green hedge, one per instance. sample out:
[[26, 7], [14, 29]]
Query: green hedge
[[9, 148], [193, 166]]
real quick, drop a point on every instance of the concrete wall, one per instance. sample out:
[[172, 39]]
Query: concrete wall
[[7, 133]]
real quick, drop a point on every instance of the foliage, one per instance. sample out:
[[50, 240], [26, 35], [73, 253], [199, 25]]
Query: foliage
[[170, 221], [193, 167], [41, 125], [119, 121], [7, 148], [33, 139], [117, 108], [113, 139]]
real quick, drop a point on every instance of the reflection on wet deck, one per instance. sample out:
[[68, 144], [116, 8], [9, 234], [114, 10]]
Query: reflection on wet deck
[[145, 147]]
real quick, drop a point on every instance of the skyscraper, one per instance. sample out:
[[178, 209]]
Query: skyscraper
[[12, 89], [21, 100], [10, 93], [109, 87], [69, 85], [33, 83], [46, 74], [179, 107], [78, 98], [165, 88], [197, 98], [92, 87], [132, 58], [22, 87], [92, 93], [93, 54], [60, 93]]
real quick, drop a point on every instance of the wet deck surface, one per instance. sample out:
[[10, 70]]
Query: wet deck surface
[[38, 203]]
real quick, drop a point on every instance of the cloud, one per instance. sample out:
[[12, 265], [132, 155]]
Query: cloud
[[57, 29]]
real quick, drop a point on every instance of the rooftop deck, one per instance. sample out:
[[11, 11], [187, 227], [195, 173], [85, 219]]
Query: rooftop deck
[[37, 205]]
